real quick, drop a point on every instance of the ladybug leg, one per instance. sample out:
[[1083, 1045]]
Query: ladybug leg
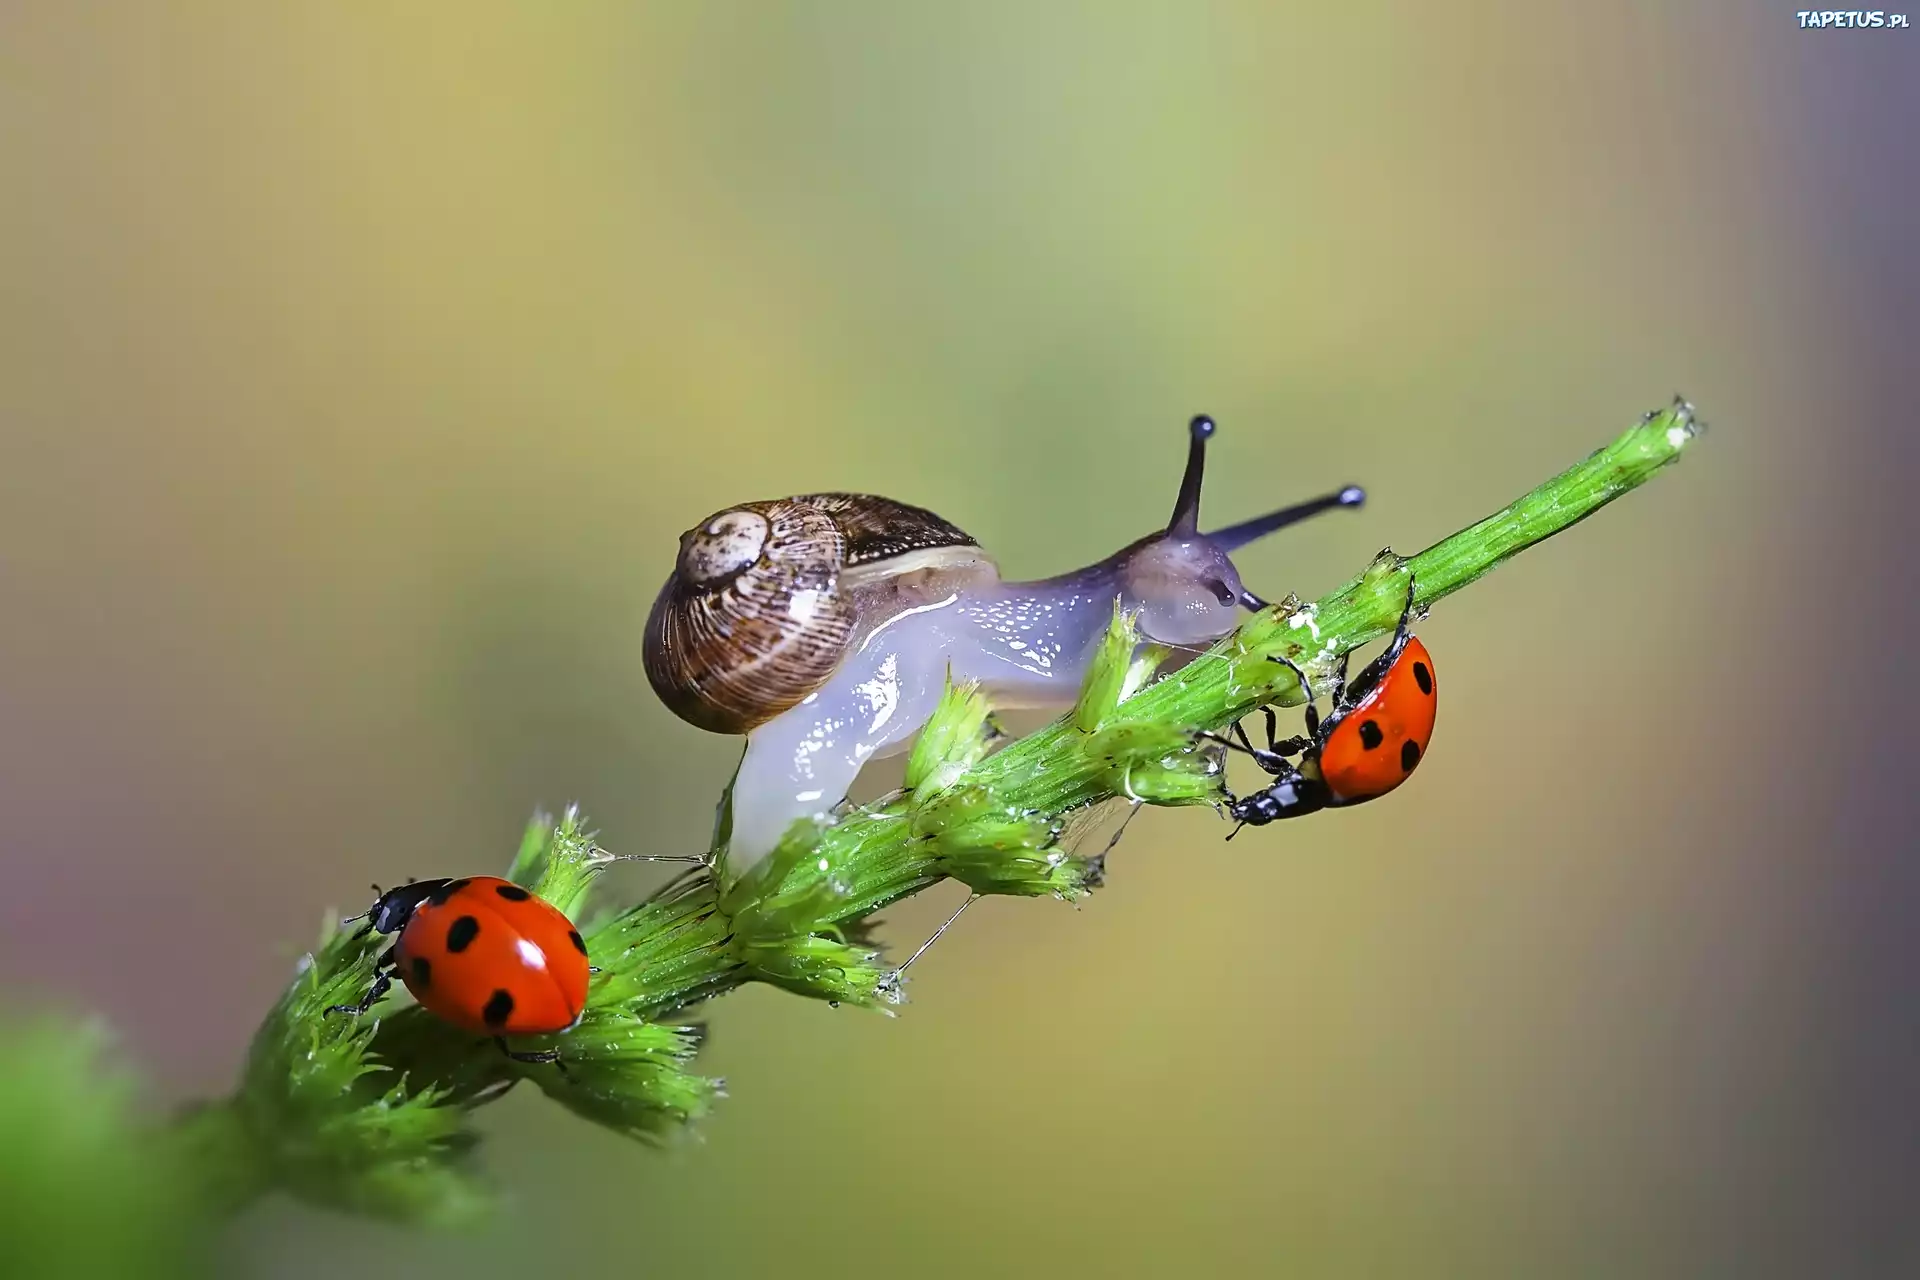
[[532, 1055], [1348, 692], [1402, 629], [1406, 610], [1292, 792], [1273, 758], [1343, 693], [382, 983], [1271, 761], [1306, 686], [1294, 746], [1276, 745], [1286, 773]]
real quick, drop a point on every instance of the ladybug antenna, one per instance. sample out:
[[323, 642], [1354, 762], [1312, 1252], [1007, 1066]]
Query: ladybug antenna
[[347, 920], [379, 897]]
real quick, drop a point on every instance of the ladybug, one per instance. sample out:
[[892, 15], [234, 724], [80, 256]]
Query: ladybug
[[1376, 734], [483, 954]]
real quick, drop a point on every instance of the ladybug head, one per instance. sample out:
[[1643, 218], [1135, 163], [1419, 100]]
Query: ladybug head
[[392, 909]]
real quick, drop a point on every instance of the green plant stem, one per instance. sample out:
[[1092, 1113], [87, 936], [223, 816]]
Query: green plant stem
[[352, 1113]]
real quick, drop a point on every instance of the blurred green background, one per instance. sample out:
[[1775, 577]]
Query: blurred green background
[[359, 365]]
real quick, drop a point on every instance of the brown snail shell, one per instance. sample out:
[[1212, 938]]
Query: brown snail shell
[[767, 598]]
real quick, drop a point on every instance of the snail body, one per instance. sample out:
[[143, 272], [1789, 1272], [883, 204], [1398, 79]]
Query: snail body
[[823, 628]]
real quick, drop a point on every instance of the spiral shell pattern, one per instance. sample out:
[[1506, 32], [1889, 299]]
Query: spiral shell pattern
[[755, 617]]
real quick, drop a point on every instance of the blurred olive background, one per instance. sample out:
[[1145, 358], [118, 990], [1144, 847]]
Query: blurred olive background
[[359, 366]]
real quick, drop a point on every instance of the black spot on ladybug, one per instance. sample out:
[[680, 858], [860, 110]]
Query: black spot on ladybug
[[1423, 678], [461, 933], [1409, 755], [422, 972], [512, 892], [439, 896], [1370, 735], [579, 943], [499, 1008]]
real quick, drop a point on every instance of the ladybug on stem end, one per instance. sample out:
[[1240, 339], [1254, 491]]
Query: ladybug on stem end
[[1369, 744], [483, 954]]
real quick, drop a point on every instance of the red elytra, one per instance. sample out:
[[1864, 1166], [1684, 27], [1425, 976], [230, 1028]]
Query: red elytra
[[489, 957], [1376, 742]]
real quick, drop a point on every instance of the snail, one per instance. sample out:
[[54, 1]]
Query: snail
[[823, 628]]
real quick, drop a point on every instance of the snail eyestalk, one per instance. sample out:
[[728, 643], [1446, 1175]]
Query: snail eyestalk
[[1186, 508], [1235, 536]]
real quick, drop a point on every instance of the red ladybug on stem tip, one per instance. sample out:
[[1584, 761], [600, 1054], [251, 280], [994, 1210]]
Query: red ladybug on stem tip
[[1369, 744], [483, 954]]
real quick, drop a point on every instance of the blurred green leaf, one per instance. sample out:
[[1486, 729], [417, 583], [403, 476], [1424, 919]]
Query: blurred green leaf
[[88, 1190]]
